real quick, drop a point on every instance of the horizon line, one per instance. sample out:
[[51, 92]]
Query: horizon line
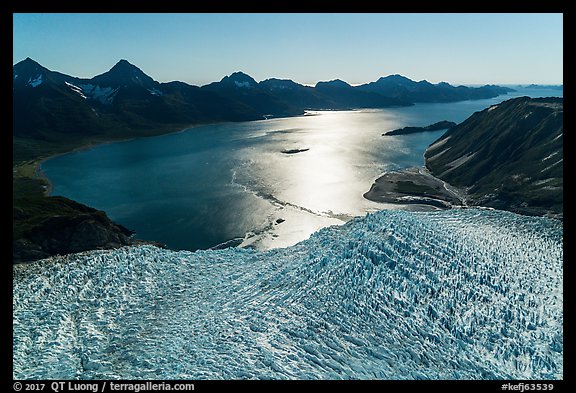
[[309, 84]]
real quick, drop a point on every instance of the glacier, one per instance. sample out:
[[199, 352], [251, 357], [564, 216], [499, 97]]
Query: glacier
[[454, 294]]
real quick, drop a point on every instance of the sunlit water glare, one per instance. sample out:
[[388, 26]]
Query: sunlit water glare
[[216, 183]]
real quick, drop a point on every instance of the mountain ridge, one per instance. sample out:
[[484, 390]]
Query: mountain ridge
[[54, 112], [53, 109], [508, 156], [423, 91]]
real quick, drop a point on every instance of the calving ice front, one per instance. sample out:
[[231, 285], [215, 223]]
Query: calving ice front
[[456, 294]]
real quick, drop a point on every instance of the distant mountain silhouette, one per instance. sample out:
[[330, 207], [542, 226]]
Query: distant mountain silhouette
[[54, 112], [261, 102], [341, 95], [400, 87], [534, 86], [125, 74], [300, 96]]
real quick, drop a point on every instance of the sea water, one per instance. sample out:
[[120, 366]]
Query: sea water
[[234, 183]]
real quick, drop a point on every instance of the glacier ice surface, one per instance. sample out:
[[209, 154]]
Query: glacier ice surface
[[456, 294]]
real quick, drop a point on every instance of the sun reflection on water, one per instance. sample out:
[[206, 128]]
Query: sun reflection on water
[[279, 179], [332, 175]]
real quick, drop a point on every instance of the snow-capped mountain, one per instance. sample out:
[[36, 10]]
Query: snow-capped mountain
[[61, 110], [244, 89], [49, 106], [101, 88], [53, 109], [239, 80], [30, 74], [124, 78]]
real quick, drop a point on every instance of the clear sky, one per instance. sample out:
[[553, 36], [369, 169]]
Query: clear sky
[[307, 48]]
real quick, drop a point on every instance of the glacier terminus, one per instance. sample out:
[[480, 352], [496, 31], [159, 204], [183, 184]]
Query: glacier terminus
[[455, 294]]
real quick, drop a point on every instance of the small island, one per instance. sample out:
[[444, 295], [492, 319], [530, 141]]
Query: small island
[[294, 151], [441, 125]]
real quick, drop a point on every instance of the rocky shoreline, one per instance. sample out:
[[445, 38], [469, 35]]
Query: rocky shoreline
[[414, 186]]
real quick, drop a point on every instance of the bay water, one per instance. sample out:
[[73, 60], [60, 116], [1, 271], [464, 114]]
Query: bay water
[[264, 184]]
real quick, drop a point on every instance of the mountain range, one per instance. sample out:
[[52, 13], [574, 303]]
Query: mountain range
[[54, 112]]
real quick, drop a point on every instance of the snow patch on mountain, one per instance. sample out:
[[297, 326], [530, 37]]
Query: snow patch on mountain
[[550, 155], [35, 82], [242, 84], [105, 95], [155, 92], [456, 294], [75, 89]]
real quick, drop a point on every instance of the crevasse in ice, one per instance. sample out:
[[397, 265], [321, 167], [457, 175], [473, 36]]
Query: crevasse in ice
[[458, 294]]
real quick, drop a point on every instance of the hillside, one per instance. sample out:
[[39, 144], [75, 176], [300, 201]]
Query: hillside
[[56, 225], [508, 156]]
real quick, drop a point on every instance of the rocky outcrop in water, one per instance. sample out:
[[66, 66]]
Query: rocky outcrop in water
[[441, 125]]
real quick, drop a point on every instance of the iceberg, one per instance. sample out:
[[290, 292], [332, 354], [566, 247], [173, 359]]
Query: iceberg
[[455, 294]]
